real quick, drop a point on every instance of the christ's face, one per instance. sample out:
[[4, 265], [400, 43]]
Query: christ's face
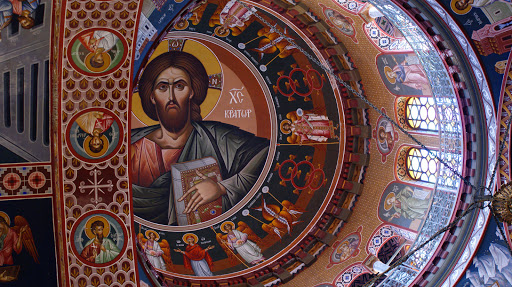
[[171, 95]]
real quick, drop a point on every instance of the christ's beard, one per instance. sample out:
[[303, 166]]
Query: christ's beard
[[174, 119]]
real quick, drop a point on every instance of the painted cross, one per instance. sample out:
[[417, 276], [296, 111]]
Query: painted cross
[[95, 186]]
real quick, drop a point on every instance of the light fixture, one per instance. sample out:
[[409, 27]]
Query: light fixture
[[502, 203]]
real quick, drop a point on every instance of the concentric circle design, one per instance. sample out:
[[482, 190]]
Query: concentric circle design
[[12, 181], [270, 89], [97, 52], [37, 180], [94, 135], [98, 238]]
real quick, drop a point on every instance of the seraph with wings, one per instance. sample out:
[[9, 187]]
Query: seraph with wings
[[166, 248], [15, 238]]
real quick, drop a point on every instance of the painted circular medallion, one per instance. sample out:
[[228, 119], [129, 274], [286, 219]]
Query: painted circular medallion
[[97, 52], [235, 141]]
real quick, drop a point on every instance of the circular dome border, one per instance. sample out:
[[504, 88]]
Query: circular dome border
[[461, 70], [337, 208]]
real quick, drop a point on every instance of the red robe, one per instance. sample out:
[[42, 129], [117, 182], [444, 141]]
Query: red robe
[[9, 245], [88, 252], [17, 7], [196, 253], [149, 161]]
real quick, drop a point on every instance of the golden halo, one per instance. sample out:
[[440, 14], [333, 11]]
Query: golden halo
[[281, 126], [223, 226], [106, 227], [387, 69], [210, 63], [6, 218], [157, 236], [338, 250], [187, 235], [381, 139], [226, 31], [459, 11], [106, 62], [96, 154], [182, 24], [388, 206]]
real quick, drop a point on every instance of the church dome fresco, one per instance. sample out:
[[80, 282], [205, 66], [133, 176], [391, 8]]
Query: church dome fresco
[[265, 86], [254, 143]]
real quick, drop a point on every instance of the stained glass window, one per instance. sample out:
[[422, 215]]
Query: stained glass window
[[420, 113], [421, 165], [361, 280]]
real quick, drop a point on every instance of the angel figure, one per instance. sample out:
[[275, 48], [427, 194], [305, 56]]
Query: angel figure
[[306, 127], [272, 42], [12, 238], [241, 239], [158, 253], [282, 219], [234, 17]]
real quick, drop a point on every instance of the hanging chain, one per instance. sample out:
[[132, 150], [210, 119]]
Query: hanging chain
[[353, 91], [471, 207], [410, 253]]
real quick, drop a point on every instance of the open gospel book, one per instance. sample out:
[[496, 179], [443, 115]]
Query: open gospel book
[[184, 176]]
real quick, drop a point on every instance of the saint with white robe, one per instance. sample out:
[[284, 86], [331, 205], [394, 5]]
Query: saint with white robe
[[248, 250]]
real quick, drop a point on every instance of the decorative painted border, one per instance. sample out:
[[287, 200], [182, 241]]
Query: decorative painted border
[[386, 231], [349, 274], [349, 185], [490, 117], [505, 173], [25, 180], [73, 92]]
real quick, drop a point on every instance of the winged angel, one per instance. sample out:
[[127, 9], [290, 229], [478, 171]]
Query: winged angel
[[13, 239], [158, 253], [241, 239]]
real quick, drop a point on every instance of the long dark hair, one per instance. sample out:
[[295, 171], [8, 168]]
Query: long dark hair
[[183, 61]]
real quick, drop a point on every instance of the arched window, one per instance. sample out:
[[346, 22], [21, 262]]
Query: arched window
[[389, 249], [422, 165], [361, 280], [420, 114]]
